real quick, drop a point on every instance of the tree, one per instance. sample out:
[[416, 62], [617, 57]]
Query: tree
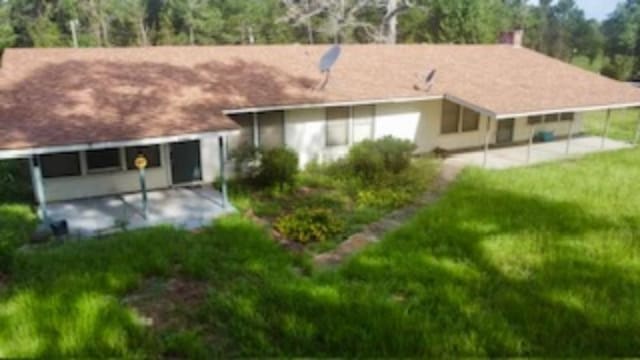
[[7, 36]]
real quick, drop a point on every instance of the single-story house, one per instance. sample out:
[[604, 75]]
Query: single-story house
[[82, 115]]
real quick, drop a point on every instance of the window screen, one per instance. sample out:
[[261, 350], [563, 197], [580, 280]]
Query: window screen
[[244, 137], [363, 122], [152, 153], [59, 165], [567, 116], [533, 120], [551, 118], [271, 129], [470, 120], [107, 159], [337, 126], [450, 117]]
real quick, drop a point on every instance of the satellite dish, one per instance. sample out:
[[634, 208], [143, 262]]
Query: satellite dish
[[327, 62], [425, 82], [329, 58]]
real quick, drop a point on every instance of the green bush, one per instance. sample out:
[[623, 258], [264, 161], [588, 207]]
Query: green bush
[[16, 224], [278, 166], [15, 181], [372, 159], [307, 225]]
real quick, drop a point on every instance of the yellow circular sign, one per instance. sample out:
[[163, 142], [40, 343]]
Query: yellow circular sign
[[140, 162]]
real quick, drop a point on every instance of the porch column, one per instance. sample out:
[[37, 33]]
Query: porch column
[[606, 129], [570, 134], [486, 143], [256, 129], [532, 133], [223, 179], [38, 188]]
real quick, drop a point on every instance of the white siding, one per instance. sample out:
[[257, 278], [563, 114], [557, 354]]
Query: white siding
[[77, 187]]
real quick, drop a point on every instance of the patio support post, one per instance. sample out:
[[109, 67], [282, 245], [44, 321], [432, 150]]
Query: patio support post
[[531, 135], [38, 188], [223, 179], [256, 129], [606, 128], [570, 135], [486, 143]]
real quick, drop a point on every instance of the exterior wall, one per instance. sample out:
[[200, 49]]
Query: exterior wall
[[100, 184]]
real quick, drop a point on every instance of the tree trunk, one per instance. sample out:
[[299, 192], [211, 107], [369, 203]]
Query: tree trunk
[[391, 26], [105, 32], [192, 37], [143, 33]]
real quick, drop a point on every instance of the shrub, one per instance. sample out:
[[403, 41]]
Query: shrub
[[371, 159], [16, 224], [307, 225], [247, 162], [278, 166], [15, 181]]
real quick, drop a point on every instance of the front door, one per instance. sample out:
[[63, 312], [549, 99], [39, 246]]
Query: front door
[[504, 135], [185, 162]]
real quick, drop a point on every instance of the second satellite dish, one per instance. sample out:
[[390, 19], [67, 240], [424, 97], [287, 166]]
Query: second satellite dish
[[327, 62]]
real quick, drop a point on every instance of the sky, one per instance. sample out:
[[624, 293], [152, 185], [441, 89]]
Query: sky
[[598, 9]]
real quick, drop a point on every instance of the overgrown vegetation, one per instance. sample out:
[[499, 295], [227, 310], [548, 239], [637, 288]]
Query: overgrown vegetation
[[327, 202], [540, 261]]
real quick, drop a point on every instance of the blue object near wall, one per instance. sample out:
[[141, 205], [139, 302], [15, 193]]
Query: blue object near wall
[[544, 136]]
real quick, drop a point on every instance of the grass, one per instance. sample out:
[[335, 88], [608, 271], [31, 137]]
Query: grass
[[540, 261], [623, 124]]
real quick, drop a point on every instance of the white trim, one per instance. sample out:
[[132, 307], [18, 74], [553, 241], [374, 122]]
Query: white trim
[[332, 104], [22, 153], [566, 110], [469, 105]]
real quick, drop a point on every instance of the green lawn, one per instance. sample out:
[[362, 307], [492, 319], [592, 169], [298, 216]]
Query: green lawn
[[535, 261], [622, 126]]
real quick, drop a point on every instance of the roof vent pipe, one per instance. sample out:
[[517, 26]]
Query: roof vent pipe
[[513, 38]]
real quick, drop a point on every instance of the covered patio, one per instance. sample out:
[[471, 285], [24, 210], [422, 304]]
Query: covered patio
[[522, 155], [184, 207]]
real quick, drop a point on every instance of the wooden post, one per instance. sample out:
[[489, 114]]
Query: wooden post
[[606, 129], [570, 135], [531, 135], [38, 188], [223, 180], [486, 143]]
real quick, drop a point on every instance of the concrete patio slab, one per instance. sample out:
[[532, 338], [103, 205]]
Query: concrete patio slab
[[515, 156], [187, 208]]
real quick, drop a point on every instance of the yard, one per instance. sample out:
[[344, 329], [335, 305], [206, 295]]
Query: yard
[[533, 261]]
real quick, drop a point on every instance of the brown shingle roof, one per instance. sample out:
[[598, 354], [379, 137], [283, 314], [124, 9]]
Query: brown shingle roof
[[71, 96]]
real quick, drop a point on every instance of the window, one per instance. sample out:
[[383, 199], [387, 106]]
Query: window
[[457, 119], [450, 117], [245, 135], [533, 120], [60, 165], [103, 160], [567, 116], [550, 118], [271, 129], [152, 153], [470, 120], [363, 122], [338, 126]]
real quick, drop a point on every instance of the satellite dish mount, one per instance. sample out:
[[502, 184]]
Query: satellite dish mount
[[327, 62], [425, 81]]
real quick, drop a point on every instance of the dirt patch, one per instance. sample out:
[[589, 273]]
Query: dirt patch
[[167, 304]]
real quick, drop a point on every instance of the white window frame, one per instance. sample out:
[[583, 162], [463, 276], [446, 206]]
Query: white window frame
[[350, 126]]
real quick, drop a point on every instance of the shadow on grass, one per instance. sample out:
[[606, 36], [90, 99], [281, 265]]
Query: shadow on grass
[[485, 272]]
